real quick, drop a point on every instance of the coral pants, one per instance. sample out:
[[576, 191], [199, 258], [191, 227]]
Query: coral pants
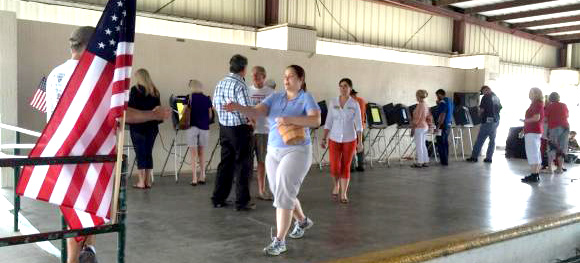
[[340, 157]]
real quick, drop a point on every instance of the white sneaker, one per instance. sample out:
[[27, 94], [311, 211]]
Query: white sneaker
[[275, 248], [299, 228]]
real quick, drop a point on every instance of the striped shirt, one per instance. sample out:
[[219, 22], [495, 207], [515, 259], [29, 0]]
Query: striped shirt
[[231, 89]]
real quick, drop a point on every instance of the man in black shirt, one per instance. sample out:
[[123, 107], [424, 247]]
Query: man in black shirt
[[489, 109]]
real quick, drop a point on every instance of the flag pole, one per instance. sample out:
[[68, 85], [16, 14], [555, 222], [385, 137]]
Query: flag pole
[[117, 186]]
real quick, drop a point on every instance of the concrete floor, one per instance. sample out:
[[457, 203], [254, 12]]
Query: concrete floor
[[389, 207]]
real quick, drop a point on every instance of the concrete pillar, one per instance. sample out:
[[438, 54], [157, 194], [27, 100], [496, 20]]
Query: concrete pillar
[[8, 84]]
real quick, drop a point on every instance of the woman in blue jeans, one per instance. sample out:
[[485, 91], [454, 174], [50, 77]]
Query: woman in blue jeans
[[287, 163]]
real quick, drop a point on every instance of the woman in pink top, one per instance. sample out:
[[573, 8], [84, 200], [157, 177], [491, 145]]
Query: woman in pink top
[[421, 121]]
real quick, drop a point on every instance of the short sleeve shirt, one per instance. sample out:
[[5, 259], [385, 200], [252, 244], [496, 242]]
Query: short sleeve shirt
[[256, 97], [55, 84], [279, 106], [139, 100], [445, 106], [537, 107], [200, 105], [557, 115]]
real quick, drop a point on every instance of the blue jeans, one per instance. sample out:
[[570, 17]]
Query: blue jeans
[[443, 146], [487, 129]]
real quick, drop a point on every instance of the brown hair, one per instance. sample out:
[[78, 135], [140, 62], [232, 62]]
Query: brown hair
[[300, 73]]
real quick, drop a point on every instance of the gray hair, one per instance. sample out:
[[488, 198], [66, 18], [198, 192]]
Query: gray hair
[[554, 97], [79, 39]]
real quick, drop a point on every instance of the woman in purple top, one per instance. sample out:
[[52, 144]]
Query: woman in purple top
[[198, 133]]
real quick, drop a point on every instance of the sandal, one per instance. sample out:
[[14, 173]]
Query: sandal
[[334, 197], [201, 182], [193, 184], [344, 201]]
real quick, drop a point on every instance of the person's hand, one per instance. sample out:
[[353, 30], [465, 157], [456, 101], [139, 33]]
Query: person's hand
[[283, 121], [161, 113], [232, 106], [323, 143], [359, 147]]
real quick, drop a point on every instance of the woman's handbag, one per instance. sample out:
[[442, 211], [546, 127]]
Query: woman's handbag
[[184, 121], [292, 134]]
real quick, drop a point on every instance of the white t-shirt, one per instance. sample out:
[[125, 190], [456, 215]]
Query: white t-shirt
[[55, 84], [256, 97]]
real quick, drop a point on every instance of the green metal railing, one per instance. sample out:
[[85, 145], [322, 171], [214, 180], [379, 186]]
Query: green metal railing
[[65, 233]]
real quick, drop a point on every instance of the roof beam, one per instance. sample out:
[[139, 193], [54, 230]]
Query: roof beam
[[538, 12], [426, 8], [557, 30], [546, 22], [503, 5], [569, 37], [447, 2]]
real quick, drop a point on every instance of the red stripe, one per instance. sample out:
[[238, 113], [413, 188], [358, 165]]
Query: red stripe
[[32, 102], [49, 130], [101, 186], [121, 86], [80, 173], [124, 61], [71, 217], [79, 128]]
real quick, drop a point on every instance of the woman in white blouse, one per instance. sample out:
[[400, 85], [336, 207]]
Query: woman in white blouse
[[344, 125]]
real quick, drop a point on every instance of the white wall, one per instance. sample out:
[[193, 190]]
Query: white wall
[[8, 90], [171, 64]]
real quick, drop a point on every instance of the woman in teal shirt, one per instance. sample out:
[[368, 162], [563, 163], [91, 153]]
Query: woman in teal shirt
[[287, 165]]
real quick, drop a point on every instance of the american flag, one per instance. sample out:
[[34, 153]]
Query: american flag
[[38, 102], [84, 123]]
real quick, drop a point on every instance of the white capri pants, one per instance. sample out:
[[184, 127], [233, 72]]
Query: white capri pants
[[533, 143], [420, 147], [286, 169]]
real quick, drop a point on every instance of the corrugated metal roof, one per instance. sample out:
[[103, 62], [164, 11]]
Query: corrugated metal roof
[[525, 8]]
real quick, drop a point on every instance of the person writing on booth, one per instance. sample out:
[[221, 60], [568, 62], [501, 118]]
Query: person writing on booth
[[290, 114], [344, 125]]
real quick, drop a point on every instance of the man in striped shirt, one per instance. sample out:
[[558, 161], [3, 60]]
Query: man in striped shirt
[[235, 138]]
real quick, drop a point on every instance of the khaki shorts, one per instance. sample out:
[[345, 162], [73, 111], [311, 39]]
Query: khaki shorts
[[197, 137], [260, 146]]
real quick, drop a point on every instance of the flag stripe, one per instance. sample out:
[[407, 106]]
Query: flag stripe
[[87, 190]]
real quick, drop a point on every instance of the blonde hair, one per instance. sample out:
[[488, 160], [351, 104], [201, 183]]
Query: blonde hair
[[537, 94], [422, 94], [143, 78], [196, 86]]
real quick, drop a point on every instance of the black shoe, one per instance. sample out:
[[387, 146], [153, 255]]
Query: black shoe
[[221, 204], [487, 160], [471, 159], [248, 207], [87, 256], [532, 178], [360, 169], [425, 165]]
